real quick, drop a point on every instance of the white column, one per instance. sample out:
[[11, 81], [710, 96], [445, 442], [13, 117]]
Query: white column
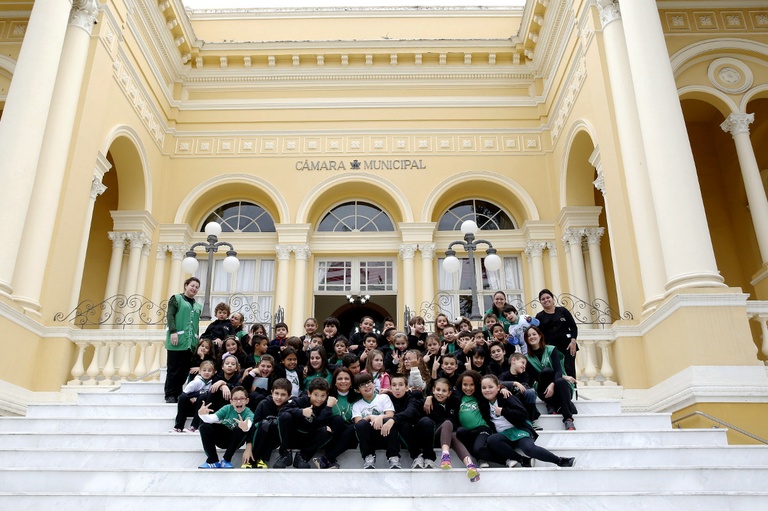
[[178, 252], [596, 262], [97, 188], [554, 270], [23, 124], [580, 287], [298, 310], [158, 279], [281, 288], [738, 126], [142, 278], [689, 258], [534, 251], [647, 244], [407, 254], [41, 216], [427, 274], [115, 263], [137, 241]]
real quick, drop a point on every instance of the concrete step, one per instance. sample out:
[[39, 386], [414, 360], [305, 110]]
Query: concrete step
[[387, 483], [108, 412], [128, 438], [606, 457], [593, 501]]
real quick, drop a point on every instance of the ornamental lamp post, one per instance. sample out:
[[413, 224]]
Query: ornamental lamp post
[[190, 264], [451, 263]]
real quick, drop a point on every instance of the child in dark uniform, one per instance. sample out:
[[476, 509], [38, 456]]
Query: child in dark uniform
[[265, 436]]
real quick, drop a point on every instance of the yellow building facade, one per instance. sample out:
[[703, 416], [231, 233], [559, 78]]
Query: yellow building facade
[[614, 152]]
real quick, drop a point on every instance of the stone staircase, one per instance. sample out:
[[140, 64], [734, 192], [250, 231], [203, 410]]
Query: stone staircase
[[111, 451]]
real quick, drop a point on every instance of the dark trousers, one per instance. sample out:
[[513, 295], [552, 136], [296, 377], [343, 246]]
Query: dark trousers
[[218, 435], [308, 442], [265, 439], [342, 439], [561, 398], [177, 372], [503, 449], [476, 440], [569, 361], [371, 439], [186, 408], [423, 439]]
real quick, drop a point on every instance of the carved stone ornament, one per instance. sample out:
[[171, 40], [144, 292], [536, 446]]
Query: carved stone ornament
[[408, 250], [736, 124], [283, 252], [97, 188], [730, 75], [83, 14], [427, 250], [302, 252], [535, 248], [600, 182], [608, 11]]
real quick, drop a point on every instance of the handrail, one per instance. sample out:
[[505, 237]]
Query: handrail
[[722, 423]]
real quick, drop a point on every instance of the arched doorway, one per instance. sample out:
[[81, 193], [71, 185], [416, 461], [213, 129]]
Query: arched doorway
[[349, 314]]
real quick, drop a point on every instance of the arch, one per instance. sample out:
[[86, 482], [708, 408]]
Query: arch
[[344, 185], [234, 186], [709, 95], [362, 215], [758, 92], [581, 126], [684, 55], [440, 197], [124, 143], [8, 64]]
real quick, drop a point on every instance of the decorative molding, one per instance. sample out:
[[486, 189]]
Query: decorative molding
[[609, 12], [567, 101], [535, 248], [83, 14], [600, 181], [676, 21], [594, 234], [96, 188], [178, 252], [408, 250], [117, 238], [302, 252], [730, 75], [427, 250], [737, 124], [137, 95], [283, 252]]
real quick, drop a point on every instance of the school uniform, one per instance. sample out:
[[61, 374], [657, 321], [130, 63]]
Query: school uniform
[[297, 431]]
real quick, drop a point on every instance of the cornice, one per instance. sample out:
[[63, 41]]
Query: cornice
[[350, 12]]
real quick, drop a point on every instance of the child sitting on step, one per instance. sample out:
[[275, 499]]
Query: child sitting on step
[[188, 399], [226, 428]]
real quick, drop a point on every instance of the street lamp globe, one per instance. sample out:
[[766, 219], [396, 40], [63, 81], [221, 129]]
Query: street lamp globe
[[492, 262], [451, 264], [212, 229], [469, 227], [189, 265], [231, 264]]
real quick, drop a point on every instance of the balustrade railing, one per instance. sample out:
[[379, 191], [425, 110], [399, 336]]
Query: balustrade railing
[[757, 310]]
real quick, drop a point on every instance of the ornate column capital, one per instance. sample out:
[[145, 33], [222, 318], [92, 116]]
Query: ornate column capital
[[737, 124], [137, 239], [573, 237], [96, 188], [162, 251], [177, 251], [552, 248], [283, 252], [427, 250], [302, 252], [535, 248], [594, 234], [408, 250], [118, 239], [609, 11], [83, 14]]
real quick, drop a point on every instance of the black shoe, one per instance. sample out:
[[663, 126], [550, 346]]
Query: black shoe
[[170, 399], [284, 460], [566, 462], [527, 462], [299, 462]]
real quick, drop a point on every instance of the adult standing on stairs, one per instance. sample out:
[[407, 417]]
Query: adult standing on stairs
[[181, 338]]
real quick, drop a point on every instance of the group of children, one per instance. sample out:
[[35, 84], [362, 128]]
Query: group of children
[[473, 391]]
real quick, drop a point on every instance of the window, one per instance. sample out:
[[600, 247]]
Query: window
[[487, 216], [250, 290], [356, 216], [454, 288], [241, 217], [356, 276]]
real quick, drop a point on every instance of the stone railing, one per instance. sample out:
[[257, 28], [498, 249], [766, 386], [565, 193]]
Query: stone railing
[[593, 360], [757, 310], [107, 357]]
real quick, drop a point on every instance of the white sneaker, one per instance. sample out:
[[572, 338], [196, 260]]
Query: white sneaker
[[482, 464], [370, 461], [429, 463], [394, 462], [418, 462], [512, 463]]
